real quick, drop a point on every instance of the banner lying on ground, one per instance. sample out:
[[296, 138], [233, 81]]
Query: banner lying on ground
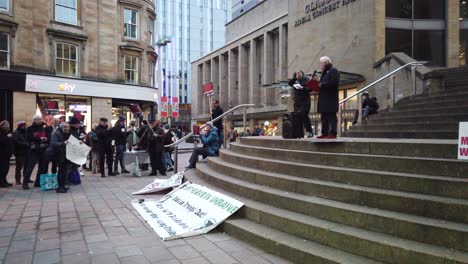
[[463, 141], [77, 151], [161, 184], [189, 210]]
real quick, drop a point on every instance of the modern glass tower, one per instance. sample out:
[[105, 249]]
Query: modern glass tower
[[187, 30]]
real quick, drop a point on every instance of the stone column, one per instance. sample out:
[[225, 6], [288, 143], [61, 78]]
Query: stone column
[[453, 33], [267, 96], [215, 76], [283, 52], [223, 84], [232, 79], [243, 74], [254, 95], [379, 17]]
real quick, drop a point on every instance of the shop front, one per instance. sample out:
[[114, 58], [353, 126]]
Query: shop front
[[10, 82], [86, 100]]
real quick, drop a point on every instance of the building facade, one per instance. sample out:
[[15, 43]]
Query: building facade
[[294, 34], [239, 7], [191, 29], [83, 58]]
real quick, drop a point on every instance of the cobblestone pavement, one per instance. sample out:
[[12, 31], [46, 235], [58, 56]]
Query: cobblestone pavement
[[96, 223]]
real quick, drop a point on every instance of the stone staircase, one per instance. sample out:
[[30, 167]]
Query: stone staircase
[[353, 201], [431, 115]]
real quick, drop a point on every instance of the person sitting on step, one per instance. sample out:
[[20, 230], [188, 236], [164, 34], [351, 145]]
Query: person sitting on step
[[210, 139], [369, 107]]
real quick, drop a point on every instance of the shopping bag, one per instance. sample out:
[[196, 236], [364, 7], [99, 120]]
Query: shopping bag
[[74, 177], [48, 182], [136, 168]]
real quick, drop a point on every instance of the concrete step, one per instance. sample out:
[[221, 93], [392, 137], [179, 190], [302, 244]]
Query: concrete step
[[462, 91], [287, 246], [434, 99], [404, 127], [410, 106], [312, 225], [420, 118], [417, 134], [442, 109], [411, 203], [446, 149], [429, 166]]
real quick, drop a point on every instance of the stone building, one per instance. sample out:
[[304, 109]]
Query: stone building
[[85, 58], [269, 42]]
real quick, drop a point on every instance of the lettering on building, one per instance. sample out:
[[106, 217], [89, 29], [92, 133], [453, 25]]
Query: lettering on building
[[319, 8]]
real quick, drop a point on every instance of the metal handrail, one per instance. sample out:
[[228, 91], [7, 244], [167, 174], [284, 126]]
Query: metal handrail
[[214, 120], [414, 63]]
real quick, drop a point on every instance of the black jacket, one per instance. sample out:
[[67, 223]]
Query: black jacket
[[152, 140], [56, 151], [119, 134], [371, 102], [104, 140], [34, 134], [6, 145], [301, 96], [215, 112], [328, 95], [20, 142]]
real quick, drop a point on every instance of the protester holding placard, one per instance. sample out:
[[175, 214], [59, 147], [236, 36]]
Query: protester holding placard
[[56, 153]]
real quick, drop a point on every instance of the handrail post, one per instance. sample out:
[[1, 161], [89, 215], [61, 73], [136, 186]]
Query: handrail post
[[244, 117], [392, 90], [176, 160], [359, 102], [340, 115], [223, 135], [413, 78]]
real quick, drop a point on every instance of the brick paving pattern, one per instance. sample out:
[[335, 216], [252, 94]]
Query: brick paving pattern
[[96, 223]]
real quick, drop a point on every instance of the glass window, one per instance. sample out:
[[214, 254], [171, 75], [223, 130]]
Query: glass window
[[4, 51], [66, 60], [463, 47], [4, 5], [399, 8], [66, 11], [429, 45], [151, 73], [130, 23], [151, 31], [131, 69], [463, 9], [398, 40], [429, 9]]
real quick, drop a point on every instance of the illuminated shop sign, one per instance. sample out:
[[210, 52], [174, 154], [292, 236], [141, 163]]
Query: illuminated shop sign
[[319, 8]]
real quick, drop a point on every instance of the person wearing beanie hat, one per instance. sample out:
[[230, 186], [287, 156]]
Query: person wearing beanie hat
[[21, 151], [38, 140], [119, 135], [210, 139]]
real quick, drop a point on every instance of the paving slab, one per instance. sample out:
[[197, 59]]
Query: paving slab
[[96, 223]]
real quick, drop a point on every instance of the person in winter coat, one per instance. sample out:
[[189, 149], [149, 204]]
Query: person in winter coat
[[21, 147], [38, 139], [327, 104], [92, 142], [141, 131], [50, 130], [56, 152], [119, 135], [302, 99], [169, 138], [6, 147], [257, 131], [369, 107], [104, 146], [153, 139], [210, 140], [132, 138]]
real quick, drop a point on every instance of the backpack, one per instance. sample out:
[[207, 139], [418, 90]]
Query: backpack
[[287, 127]]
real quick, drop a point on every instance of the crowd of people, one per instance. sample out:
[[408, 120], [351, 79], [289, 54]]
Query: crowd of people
[[44, 147]]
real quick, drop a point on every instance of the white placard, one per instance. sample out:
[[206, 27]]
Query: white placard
[[77, 151], [189, 210], [463, 141], [162, 184]]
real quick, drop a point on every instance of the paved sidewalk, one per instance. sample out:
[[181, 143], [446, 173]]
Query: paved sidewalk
[[96, 223]]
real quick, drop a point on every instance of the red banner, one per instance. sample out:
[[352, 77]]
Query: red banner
[[208, 88], [164, 106], [175, 107]]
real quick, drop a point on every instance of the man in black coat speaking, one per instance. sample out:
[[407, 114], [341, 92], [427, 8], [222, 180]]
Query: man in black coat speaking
[[327, 104]]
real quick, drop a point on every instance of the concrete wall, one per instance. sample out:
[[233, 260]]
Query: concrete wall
[[101, 107], [346, 35], [24, 107], [260, 15]]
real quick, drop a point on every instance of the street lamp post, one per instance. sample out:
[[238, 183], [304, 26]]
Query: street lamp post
[[161, 43]]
